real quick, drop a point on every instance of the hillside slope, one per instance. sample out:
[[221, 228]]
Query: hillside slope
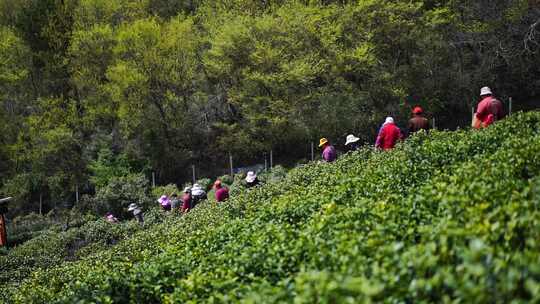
[[446, 216]]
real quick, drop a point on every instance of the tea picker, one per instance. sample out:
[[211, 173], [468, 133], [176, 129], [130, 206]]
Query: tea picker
[[3, 210]]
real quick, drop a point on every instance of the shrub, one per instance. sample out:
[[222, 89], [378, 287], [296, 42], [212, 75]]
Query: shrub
[[167, 190], [116, 196], [444, 217], [205, 183]]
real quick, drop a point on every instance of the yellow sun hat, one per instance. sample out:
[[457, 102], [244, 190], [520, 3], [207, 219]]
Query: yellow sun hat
[[323, 141]]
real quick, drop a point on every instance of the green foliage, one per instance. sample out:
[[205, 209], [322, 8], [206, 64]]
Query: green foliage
[[171, 83], [24, 228], [205, 183], [108, 166], [168, 190], [117, 194], [458, 209]]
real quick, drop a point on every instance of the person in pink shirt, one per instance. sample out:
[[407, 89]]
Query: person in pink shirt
[[489, 110], [222, 193]]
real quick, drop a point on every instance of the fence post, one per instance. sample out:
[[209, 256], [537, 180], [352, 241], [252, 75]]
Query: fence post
[[265, 163], [312, 152], [77, 194], [193, 171], [434, 124], [231, 164], [510, 106], [271, 159], [40, 203], [153, 179]]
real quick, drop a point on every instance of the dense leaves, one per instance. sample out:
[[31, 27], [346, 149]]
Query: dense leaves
[[167, 84], [449, 216]]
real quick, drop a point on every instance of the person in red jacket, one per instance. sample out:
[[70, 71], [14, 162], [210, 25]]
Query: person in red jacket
[[389, 134], [222, 193], [489, 109]]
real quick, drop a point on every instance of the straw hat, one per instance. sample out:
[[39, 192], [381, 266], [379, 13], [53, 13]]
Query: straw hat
[[323, 141], [251, 176], [351, 139]]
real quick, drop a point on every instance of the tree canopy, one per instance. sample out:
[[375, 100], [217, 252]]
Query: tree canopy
[[164, 84]]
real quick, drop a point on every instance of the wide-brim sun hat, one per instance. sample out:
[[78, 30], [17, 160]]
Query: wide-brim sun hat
[[251, 176], [485, 91], [351, 139], [132, 207], [323, 141], [187, 189], [217, 184]]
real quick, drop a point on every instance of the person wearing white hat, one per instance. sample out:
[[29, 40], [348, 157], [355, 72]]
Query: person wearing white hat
[[351, 142], [187, 200], [251, 179], [489, 109], [137, 212], [388, 135], [197, 194]]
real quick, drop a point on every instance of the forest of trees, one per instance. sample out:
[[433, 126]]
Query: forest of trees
[[96, 88]]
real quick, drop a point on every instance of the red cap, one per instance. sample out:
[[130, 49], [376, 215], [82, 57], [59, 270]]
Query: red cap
[[417, 110]]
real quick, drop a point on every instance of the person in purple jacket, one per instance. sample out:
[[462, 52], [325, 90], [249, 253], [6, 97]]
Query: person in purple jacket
[[329, 152]]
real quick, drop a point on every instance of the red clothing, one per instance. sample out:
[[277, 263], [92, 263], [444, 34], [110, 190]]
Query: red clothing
[[186, 202], [388, 136], [489, 110], [222, 194], [418, 123]]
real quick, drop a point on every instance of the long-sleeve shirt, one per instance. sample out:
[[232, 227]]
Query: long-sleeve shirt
[[186, 202], [222, 194], [418, 123], [329, 154], [388, 136]]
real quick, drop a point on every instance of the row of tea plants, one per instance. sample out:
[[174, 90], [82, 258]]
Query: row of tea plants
[[444, 217]]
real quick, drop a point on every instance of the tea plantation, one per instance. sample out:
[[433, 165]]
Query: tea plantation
[[445, 217]]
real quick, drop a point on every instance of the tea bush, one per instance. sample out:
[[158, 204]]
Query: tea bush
[[444, 217], [117, 194], [168, 190]]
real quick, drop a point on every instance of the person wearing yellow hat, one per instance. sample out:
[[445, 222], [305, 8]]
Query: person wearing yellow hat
[[329, 152]]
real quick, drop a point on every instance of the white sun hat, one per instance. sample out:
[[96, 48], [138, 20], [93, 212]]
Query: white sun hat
[[251, 176], [351, 139], [132, 207], [485, 91], [388, 120]]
